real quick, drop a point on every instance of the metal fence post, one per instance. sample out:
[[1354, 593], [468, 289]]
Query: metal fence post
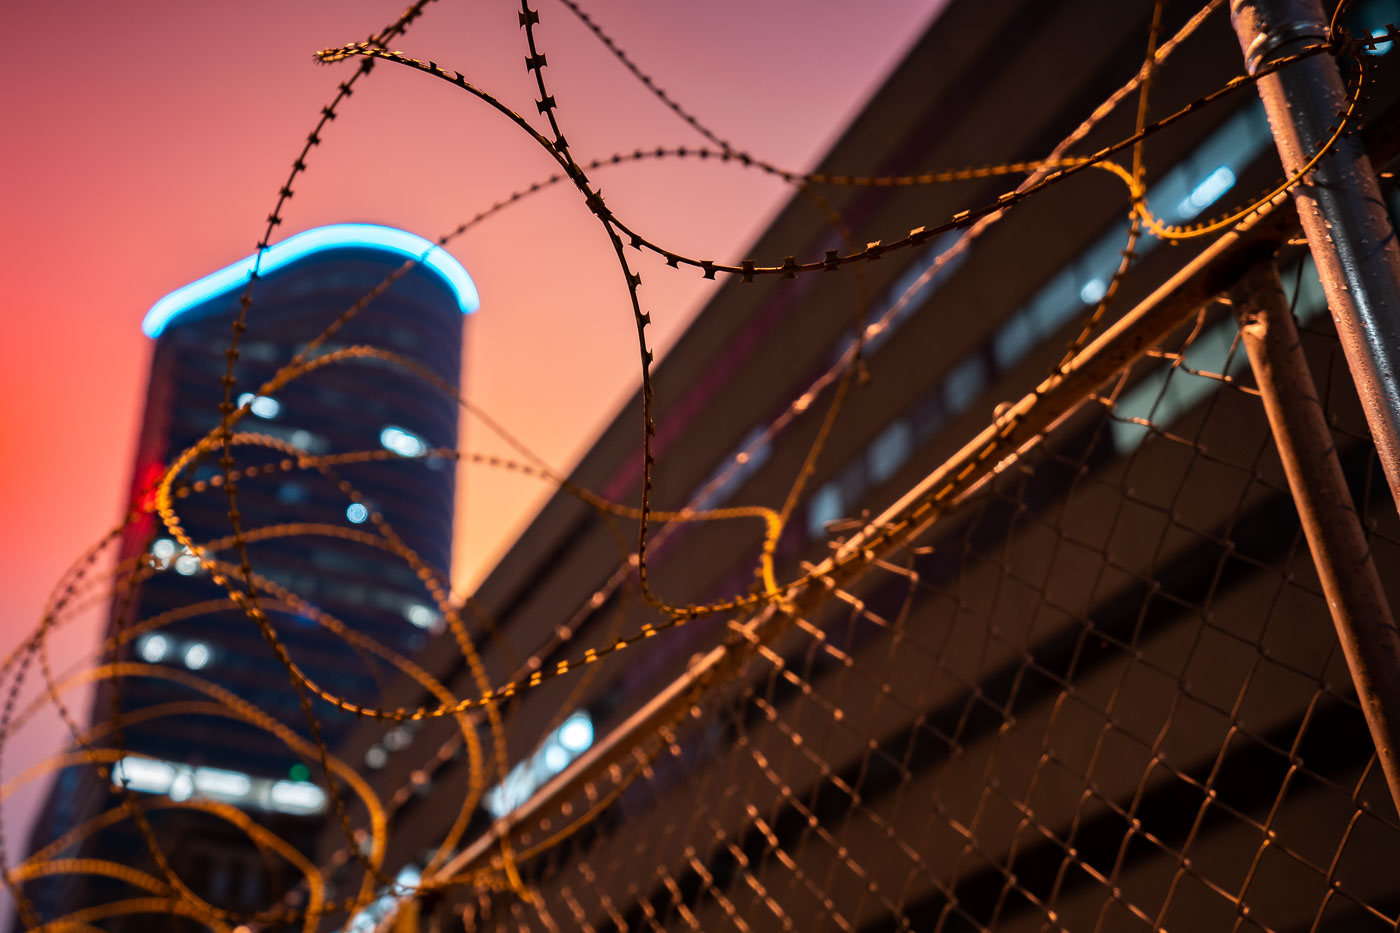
[[1339, 548], [1339, 203]]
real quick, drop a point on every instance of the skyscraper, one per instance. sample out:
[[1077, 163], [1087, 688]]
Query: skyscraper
[[305, 283]]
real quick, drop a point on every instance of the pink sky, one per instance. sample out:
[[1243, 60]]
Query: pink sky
[[144, 144]]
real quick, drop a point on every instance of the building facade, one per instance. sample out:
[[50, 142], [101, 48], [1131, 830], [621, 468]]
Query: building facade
[[304, 284], [746, 823]]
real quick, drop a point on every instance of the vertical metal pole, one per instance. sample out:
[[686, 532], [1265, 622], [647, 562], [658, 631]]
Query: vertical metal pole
[[1339, 204], [1355, 598]]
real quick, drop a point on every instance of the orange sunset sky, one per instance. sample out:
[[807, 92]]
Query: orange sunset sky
[[144, 144]]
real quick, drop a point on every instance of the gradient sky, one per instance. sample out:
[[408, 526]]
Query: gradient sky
[[144, 144]]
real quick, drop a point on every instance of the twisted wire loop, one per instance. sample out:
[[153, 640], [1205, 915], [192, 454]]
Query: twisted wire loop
[[1031, 702]]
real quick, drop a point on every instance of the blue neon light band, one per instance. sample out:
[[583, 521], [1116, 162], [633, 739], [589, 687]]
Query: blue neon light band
[[334, 236]]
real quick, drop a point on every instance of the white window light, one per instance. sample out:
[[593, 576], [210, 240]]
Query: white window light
[[1093, 290], [181, 782], [404, 443], [356, 512], [197, 655], [187, 565], [1380, 48], [409, 878], [264, 406], [296, 797], [556, 759], [182, 788], [556, 752], [163, 549], [376, 757], [302, 439], [576, 734], [221, 784], [153, 648], [143, 774], [512, 792], [420, 615], [1210, 190]]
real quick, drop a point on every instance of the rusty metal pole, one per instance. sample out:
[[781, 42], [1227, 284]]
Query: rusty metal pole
[[1339, 204], [1339, 548]]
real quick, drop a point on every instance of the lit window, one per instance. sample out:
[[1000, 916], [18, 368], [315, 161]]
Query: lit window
[[555, 753], [1014, 340], [218, 783], [889, 450], [196, 655], [296, 797], [291, 492], [144, 774], [401, 442], [1093, 291], [356, 512], [1164, 395], [734, 470], [963, 384], [153, 648], [408, 878], [420, 615], [376, 757], [1380, 48], [301, 439], [163, 549], [555, 758], [576, 734], [825, 507], [182, 782], [1210, 190], [182, 788], [264, 406], [187, 565]]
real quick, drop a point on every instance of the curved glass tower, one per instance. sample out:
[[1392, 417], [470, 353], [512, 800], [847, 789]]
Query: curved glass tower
[[305, 283]]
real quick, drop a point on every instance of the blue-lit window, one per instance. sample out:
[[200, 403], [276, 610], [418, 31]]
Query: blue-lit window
[[1057, 302], [964, 383], [402, 442], [573, 737], [1167, 393], [825, 507], [736, 468], [889, 450], [1210, 189], [264, 406], [1015, 339], [291, 493]]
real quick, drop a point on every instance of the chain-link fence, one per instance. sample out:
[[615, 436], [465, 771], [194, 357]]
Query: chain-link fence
[[1104, 693]]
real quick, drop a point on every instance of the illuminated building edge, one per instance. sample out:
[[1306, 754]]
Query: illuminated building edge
[[307, 243]]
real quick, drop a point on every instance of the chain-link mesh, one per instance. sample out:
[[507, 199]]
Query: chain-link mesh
[[1103, 694], [1101, 691]]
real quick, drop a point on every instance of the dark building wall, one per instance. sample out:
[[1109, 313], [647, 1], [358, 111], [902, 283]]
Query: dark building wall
[[987, 331]]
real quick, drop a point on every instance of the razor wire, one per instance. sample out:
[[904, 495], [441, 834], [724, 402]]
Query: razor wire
[[806, 762]]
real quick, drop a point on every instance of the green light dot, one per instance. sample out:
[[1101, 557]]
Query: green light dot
[[300, 772]]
